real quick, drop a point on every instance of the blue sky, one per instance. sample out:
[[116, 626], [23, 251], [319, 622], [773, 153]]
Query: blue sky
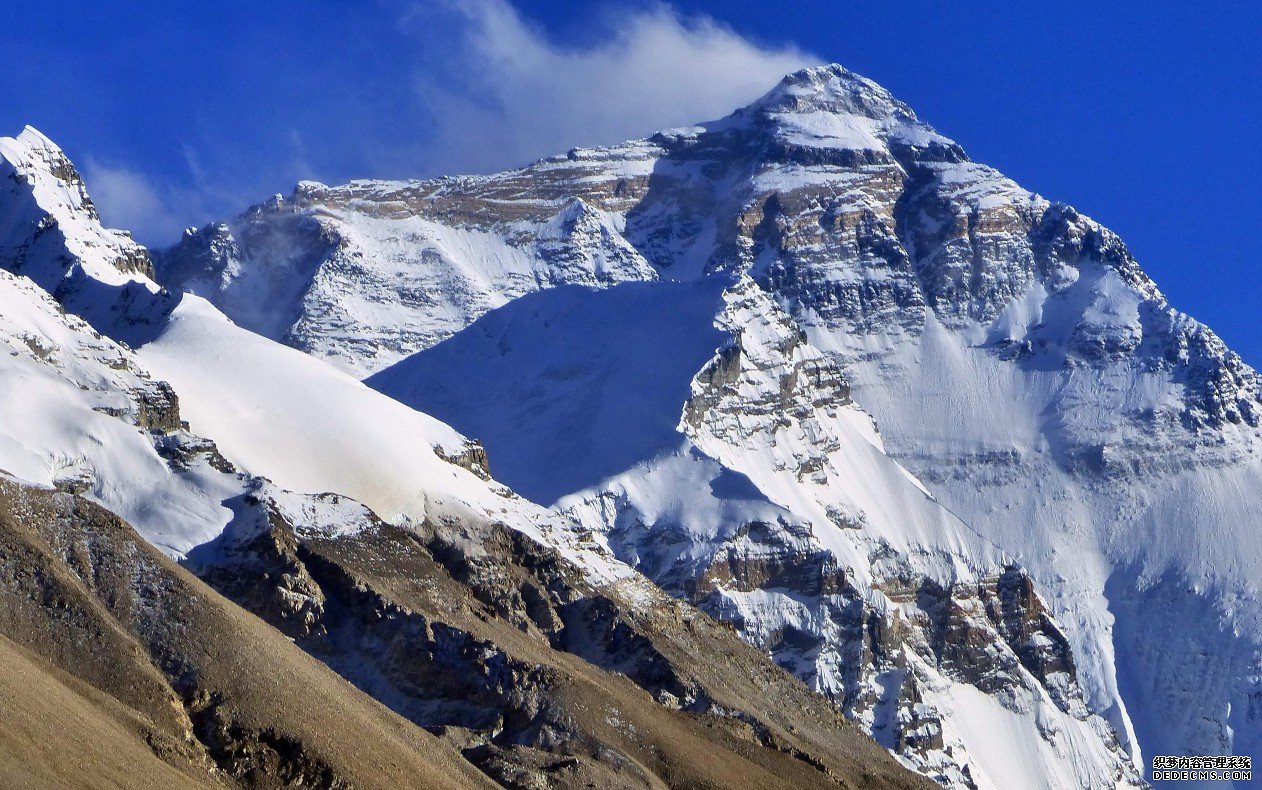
[[1144, 115]]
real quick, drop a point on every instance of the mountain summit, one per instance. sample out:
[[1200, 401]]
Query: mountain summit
[[1017, 359], [831, 107]]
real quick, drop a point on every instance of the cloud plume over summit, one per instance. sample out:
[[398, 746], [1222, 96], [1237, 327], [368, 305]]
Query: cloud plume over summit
[[508, 93]]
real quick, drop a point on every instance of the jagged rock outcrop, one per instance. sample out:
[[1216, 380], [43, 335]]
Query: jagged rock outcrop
[[480, 634]]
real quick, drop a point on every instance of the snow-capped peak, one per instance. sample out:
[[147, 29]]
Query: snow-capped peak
[[51, 233], [833, 88], [832, 107], [45, 196], [1017, 359], [37, 157]]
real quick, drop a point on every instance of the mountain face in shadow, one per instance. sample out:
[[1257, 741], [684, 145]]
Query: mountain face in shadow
[[569, 386]]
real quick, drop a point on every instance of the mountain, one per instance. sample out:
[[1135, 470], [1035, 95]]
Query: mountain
[[357, 602], [687, 343]]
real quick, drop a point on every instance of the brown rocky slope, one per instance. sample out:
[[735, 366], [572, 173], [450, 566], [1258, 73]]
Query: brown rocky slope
[[121, 669]]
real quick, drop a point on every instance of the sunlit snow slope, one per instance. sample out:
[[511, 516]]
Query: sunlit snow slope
[[173, 434]]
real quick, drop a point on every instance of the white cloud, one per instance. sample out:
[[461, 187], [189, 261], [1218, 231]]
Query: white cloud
[[157, 210], [513, 96], [481, 90], [127, 198]]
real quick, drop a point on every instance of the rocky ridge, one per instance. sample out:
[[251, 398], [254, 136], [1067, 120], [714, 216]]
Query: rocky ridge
[[499, 645], [192, 689]]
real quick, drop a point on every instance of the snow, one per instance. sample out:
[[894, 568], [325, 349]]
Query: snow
[[312, 429], [945, 404], [787, 178], [630, 160], [581, 394], [393, 282], [322, 515], [27, 165], [1002, 744], [830, 129], [306, 426], [60, 377], [568, 386], [316, 442], [829, 107]]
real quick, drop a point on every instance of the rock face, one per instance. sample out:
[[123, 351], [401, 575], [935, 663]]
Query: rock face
[[1018, 360], [500, 645]]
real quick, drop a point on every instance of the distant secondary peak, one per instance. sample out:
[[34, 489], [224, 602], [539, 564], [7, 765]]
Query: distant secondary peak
[[39, 161]]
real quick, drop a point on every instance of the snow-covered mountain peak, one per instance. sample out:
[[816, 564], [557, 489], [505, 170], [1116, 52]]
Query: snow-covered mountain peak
[[831, 107], [833, 88], [51, 233], [1018, 360], [39, 159], [44, 196]]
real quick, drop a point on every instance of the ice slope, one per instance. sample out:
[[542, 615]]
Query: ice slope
[[1156, 570], [314, 430], [275, 409], [84, 414], [602, 399], [570, 387]]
